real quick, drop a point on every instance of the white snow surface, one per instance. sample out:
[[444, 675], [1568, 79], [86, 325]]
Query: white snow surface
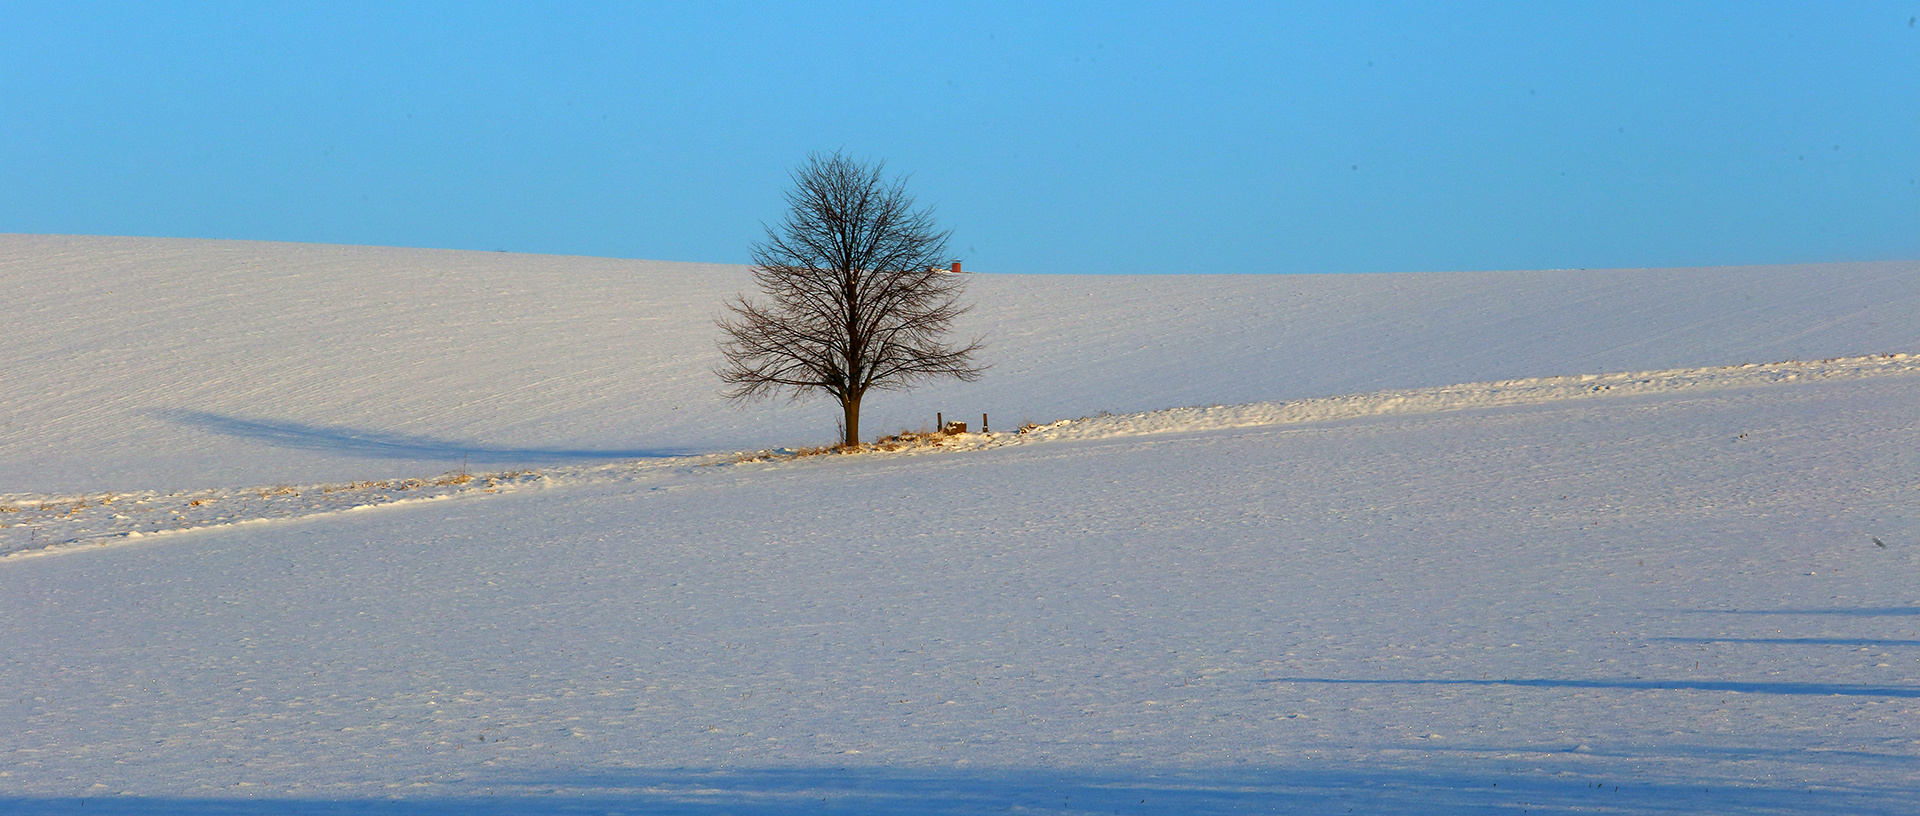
[[314, 529]]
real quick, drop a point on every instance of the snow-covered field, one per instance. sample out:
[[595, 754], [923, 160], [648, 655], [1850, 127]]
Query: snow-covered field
[[299, 529]]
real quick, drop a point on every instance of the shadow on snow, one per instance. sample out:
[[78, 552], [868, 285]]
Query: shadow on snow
[[1477, 787], [387, 445]]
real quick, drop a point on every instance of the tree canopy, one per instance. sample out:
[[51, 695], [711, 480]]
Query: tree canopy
[[856, 295]]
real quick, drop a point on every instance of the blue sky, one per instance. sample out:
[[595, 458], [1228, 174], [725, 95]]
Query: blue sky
[[1050, 137]]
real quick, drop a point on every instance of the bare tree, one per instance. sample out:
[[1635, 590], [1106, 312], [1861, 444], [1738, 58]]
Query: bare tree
[[856, 296]]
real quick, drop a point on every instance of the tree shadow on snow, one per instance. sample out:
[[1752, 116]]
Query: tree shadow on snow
[[1437, 788], [387, 445]]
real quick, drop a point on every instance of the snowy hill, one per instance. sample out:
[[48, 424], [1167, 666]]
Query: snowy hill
[[154, 363], [455, 532]]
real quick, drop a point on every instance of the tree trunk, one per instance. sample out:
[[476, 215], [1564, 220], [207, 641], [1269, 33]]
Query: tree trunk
[[850, 419]]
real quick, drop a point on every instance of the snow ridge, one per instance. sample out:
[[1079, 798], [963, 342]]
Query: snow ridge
[[1477, 395], [39, 525], [42, 525]]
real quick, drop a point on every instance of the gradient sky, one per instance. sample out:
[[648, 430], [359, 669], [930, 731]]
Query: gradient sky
[[1050, 137]]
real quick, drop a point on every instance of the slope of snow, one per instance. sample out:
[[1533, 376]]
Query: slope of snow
[[1502, 542], [158, 364], [45, 524]]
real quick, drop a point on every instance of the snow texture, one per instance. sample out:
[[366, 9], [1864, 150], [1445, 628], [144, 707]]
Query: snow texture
[[315, 529]]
